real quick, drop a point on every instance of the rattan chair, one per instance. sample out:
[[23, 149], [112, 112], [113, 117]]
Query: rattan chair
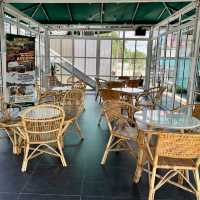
[[178, 154], [125, 78], [100, 84], [115, 84], [133, 83], [107, 94], [123, 133], [52, 97], [79, 85], [73, 105], [43, 129]]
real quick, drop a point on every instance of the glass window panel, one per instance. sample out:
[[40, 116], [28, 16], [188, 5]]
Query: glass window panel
[[105, 67], [183, 43], [91, 48], [141, 49], [117, 49], [189, 46], [79, 63], [116, 67], [91, 66], [128, 67], [22, 31], [129, 49], [13, 29], [7, 27], [67, 47], [79, 48], [129, 34], [55, 46], [140, 66], [105, 48]]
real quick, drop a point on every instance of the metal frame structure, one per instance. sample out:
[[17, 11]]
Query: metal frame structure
[[43, 37]]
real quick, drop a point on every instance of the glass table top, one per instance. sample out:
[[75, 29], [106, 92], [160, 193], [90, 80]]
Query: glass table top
[[167, 119], [129, 90]]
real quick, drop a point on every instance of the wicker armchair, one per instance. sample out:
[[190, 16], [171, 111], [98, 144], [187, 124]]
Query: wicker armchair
[[100, 84], [178, 154], [133, 83], [115, 84], [79, 85], [43, 129], [73, 105], [52, 97], [107, 94], [123, 134], [125, 78], [149, 99]]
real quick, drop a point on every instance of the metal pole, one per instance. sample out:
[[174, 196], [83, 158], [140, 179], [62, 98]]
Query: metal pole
[[47, 56], [98, 57], [195, 54], [149, 60], [3, 50]]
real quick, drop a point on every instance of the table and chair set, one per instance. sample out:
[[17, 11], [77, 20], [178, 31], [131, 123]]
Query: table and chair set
[[164, 143], [41, 128]]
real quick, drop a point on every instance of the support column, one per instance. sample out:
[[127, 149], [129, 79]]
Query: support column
[[195, 55], [98, 57], [3, 50], [47, 56], [149, 57]]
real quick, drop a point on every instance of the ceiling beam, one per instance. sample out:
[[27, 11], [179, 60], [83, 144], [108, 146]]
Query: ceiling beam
[[35, 10], [69, 12], [167, 8], [102, 13], [161, 14], [92, 1], [135, 12], [30, 7], [45, 12]]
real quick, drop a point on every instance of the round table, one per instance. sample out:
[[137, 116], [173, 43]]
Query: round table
[[167, 120], [164, 120], [62, 88]]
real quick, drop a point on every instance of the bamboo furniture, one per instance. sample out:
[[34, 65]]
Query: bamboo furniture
[[43, 129], [133, 83], [115, 84], [107, 94], [100, 84], [123, 134], [150, 98], [125, 78], [73, 105], [177, 154]]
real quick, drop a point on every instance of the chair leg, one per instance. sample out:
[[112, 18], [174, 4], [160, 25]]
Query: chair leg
[[197, 183], [105, 155], [152, 183], [97, 94], [25, 160], [62, 158], [79, 130], [100, 118]]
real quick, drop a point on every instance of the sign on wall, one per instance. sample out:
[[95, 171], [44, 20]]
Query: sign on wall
[[20, 71]]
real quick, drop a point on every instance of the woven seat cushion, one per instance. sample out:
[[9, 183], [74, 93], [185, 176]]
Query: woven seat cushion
[[122, 127], [175, 162], [71, 112]]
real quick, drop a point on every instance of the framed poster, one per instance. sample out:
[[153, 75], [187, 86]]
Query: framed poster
[[20, 69]]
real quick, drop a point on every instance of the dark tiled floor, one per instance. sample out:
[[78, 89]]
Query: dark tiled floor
[[84, 178]]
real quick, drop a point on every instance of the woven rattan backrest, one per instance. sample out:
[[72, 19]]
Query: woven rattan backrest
[[48, 97], [79, 85], [126, 78], [107, 94], [43, 123], [133, 83], [118, 109], [178, 145], [115, 84], [73, 97]]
